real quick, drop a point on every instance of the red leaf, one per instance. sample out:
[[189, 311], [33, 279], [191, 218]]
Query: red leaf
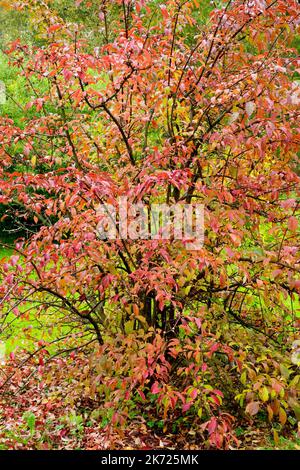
[[186, 406], [141, 394], [215, 399], [212, 425], [155, 388], [164, 11]]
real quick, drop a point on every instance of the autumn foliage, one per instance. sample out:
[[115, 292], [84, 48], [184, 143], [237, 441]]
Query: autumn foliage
[[167, 109]]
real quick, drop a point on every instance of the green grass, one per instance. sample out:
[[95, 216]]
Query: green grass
[[283, 444], [5, 252], [23, 331]]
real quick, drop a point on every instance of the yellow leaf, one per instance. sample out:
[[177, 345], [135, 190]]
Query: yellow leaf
[[181, 281], [33, 161], [244, 377], [233, 171], [129, 326], [264, 394], [187, 290]]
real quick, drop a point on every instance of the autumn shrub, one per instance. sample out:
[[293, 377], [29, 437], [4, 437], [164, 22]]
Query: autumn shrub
[[196, 379], [175, 110]]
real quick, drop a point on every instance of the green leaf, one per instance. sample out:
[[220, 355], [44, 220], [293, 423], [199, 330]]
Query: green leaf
[[29, 418], [244, 377]]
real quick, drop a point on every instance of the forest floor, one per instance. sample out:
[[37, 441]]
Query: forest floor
[[44, 415]]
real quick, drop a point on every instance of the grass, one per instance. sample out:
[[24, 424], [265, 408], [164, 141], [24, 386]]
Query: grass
[[283, 444], [5, 252], [24, 329]]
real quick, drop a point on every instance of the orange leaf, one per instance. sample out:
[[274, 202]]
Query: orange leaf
[[164, 11], [282, 416], [293, 224], [276, 437], [136, 310], [54, 27], [270, 413]]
